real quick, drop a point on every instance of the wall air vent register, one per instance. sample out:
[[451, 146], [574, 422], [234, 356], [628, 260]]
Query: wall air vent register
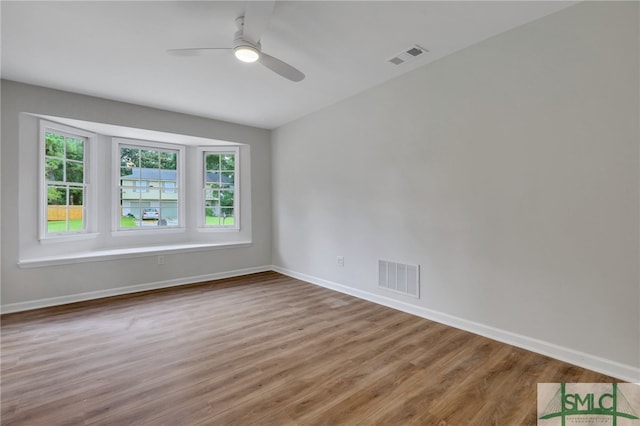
[[399, 277]]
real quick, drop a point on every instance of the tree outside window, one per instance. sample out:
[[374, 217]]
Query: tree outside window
[[220, 189], [64, 172]]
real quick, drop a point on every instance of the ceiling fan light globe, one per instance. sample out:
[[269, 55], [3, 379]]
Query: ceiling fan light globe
[[246, 54]]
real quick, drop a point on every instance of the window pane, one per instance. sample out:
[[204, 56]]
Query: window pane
[[168, 190], [57, 213], [228, 179], [226, 215], [153, 195], [54, 145], [212, 162], [129, 157], [128, 212], [76, 209], [212, 213], [56, 195], [57, 219], [212, 195], [212, 177], [75, 149], [215, 214], [168, 160], [75, 172], [54, 170], [140, 186], [75, 224], [169, 212], [134, 212], [226, 198], [76, 196], [166, 175], [227, 162], [149, 159], [128, 172], [128, 222]]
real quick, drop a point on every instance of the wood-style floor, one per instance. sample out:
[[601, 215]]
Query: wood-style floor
[[263, 349]]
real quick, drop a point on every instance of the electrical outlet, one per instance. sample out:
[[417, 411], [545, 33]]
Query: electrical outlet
[[160, 260], [340, 261]]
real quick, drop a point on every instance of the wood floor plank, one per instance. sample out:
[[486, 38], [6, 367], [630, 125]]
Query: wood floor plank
[[261, 349]]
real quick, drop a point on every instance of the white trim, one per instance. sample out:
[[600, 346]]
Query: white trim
[[55, 301], [135, 133], [125, 253], [582, 359]]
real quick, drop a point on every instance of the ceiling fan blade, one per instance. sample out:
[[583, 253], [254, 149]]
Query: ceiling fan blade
[[281, 68], [195, 51], [256, 19]]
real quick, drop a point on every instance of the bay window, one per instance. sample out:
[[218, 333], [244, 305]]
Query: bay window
[[100, 195]]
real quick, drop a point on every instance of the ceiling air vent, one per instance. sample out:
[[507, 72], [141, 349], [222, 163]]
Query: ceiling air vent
[[408, 55]]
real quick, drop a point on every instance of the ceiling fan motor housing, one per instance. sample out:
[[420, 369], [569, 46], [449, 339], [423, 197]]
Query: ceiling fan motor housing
[[243, 49], [239, 42]]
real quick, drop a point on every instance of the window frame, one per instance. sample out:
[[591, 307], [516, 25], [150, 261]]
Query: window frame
[[89, 206], [180, 188], [201, 218]]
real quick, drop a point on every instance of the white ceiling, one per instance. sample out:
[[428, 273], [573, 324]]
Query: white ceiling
[[117, 50]]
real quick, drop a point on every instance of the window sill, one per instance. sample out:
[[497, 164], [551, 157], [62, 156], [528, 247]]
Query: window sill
[[125, 253]]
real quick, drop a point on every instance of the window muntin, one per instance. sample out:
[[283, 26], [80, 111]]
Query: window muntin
[[220, 189], [146, 171], [64, 170]]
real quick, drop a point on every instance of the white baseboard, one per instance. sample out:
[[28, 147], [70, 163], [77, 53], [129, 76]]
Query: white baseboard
[[54, 301], [591, 362], [611, 368]]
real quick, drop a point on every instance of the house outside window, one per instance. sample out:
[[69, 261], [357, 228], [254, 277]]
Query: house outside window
[[149, 182], [169, 187], [139, 185]]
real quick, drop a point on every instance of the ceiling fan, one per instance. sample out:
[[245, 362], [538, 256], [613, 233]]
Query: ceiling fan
[[246, 43]]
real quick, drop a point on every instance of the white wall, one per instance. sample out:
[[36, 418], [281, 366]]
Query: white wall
[[509, 171], [22, 288]]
